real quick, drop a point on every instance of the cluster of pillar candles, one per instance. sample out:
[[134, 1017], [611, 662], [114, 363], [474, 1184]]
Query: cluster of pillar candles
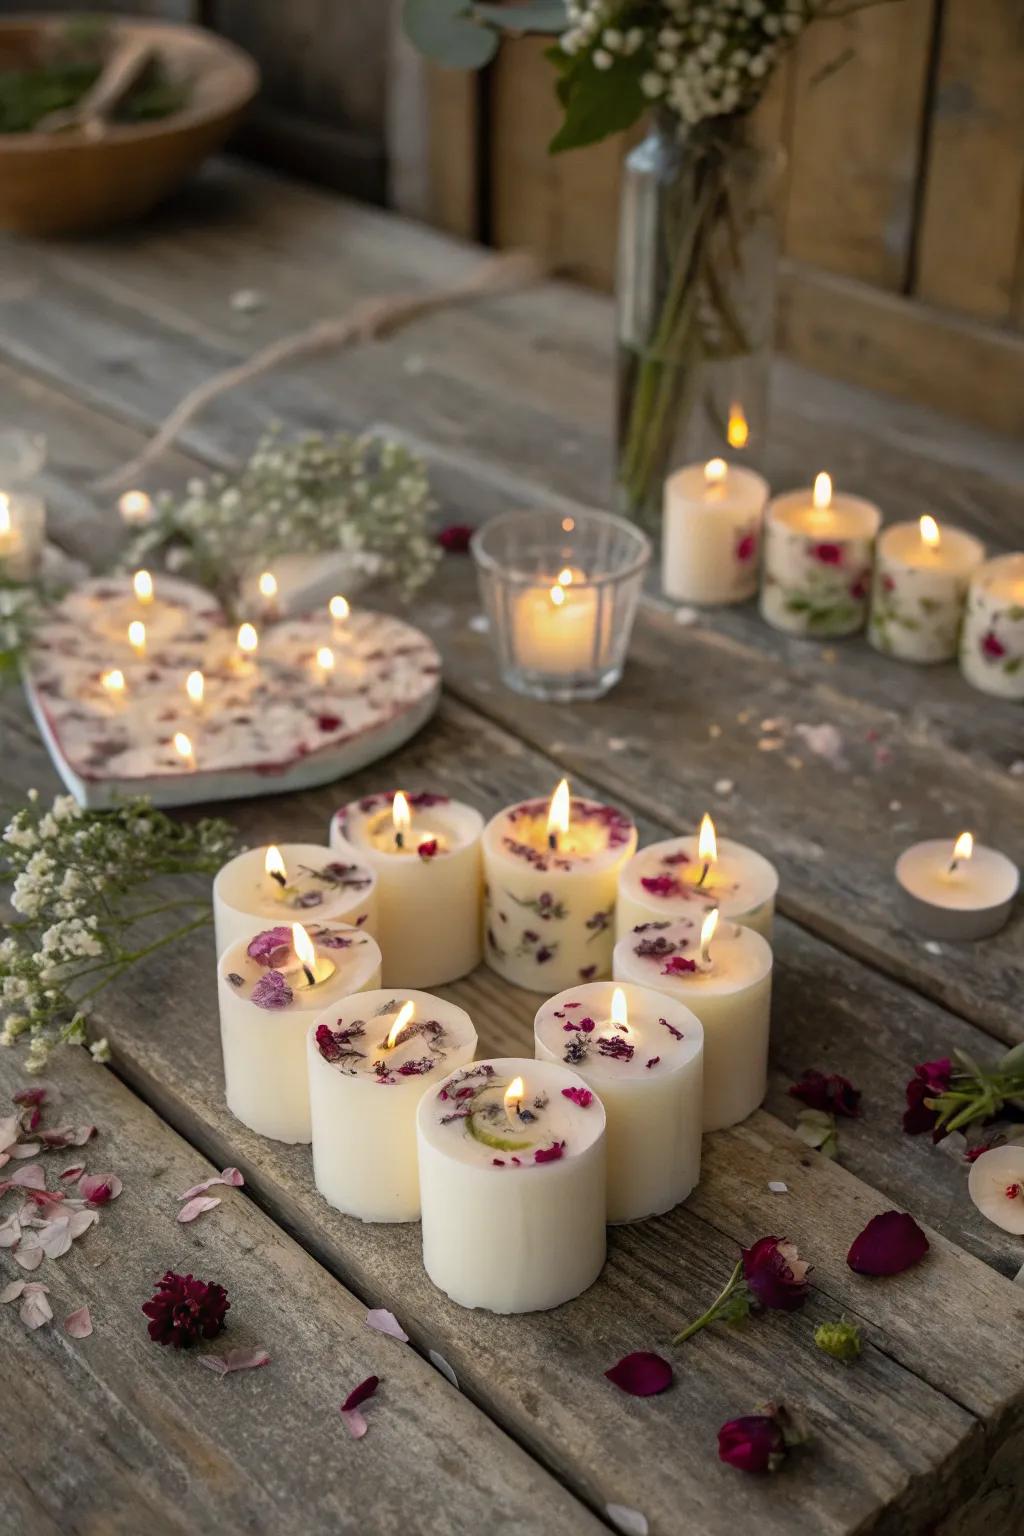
[[655, 968], [925, 592]]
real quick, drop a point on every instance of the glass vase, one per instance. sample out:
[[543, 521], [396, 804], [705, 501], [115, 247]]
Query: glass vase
[[696, 305]]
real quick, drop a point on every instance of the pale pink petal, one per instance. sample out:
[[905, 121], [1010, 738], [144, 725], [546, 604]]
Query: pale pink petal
[[74, 1172], [81, 1221], [29, 1252], [82, 1134], [196, 1207], [386, 1322], [4, 1158], [10, 1232], [228, 1176], [632, 1522], [10, 1130], [235, 1360], [56, 1237], [25, 1149], [12, 1291], [79, 1324], [99, 1188], [354, 1422], [29, 1177], [35, 1309]]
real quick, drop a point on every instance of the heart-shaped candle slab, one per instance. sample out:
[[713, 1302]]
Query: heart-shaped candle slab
[[314, 701]]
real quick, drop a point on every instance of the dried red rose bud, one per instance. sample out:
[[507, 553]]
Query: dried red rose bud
[[753, 1443], [454, 539], [184, 1309], [776, 1276], [829, 1092], [889, 1244]]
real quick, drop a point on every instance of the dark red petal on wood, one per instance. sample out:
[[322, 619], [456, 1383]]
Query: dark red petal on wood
[[359, 1394], [889, 1244], [641, 1374]]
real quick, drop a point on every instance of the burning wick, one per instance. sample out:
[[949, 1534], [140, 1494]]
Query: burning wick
[[558, 815], [707, 846], [135, 507], [137, 637], [268, 585], [113, 682], [142, 582], [707, 933], [737, 431], [325, 662], [620, 1013], [822, 493], [714, 471], [248, 639], [183, 747], [565, 577], [338, 609], [557, 595], [963, 848], [514, 1095], [401, 818], [195, 687], [401, 1020], [305, 953], [275, 867], [929, 532]]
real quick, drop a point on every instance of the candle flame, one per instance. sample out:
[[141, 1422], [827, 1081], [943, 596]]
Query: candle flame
[[325, 659], [142, 581], [707, 842], [113, 682], [305, 951], [963, 848], [715, 471], [620, 1012], [401, 816], [135, 507], [707, 933], [5, 515], [514, 1095], [274, 865], [568, 524], [248, 639], [558, 815], [267, 584], [565, 577], [195, 687], [738, 432], [402, 1018], [822, 494], [557, 595], [137, 637], [930, 532], [339, 609], [183, 747]]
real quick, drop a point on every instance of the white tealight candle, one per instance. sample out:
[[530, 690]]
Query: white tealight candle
[[302, 882], [723, 973], [711, 532], [685, 876], [425, 852], [270, 988], [371, 1059], [992, 638], [551, 869], [642, 1053], [512, 1185], [958, 890], [919, 588], [818, 553], [556, 627]]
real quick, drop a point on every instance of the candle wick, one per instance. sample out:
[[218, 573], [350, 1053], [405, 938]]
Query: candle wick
[[953, 864], [553, 841], [703, 874], [275, 874], [399, 839], [310, 978]]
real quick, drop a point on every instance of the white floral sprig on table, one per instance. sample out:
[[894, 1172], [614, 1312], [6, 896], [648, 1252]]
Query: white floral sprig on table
[[364, 497], [81, 884]]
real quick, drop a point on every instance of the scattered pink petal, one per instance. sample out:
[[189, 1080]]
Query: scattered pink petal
[[235, 1360], [80, 1222], [29, 1177], [359, 1394], [35, 1308], [10, 1232], [630, 1521], [36, 1095], [889, 1244], [10, 1130], [74, 1172], [386, 1322], [29, 1252], [12, 1291], [193, 1208], [641, 1374], [56, 1237], [354, 1422], [78, 1325], [99, 1188], [227, 1176], [82, 1134]]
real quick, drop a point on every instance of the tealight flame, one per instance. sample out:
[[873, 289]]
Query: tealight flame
[[195, 687], [325, 659], [305, 951], [707, 933], [557, 595], [737, 432], [822, 493], [135, 507], [715, 471], [248, 639], [142, 582], [568, 524], [707, 843], [137, 637], [963, 848], [274, 865], [558, 815], [183, 747], [113, 682], [339, 609], [565, 577], [402, 1018], [514, 1095], [5, 515], [401, 817], [929, 532], [267, 585], [620, 1013]]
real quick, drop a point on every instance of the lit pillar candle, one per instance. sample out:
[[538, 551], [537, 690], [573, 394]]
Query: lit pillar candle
[[22, 530], [919, 589], [992, 638], [371, 1059], [551, 869], [818, 553], [425, 852], [958, 890], [711, 532], [686, 876], [556, 628], [296, 882], [642, 1053], [270, 988], [723, 974], [512, 1185]]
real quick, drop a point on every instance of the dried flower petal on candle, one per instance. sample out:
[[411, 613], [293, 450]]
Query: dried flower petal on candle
[[996, 1185], [184, 1309], [587, 1025], [580, 1096], [272, 991], [653, 1062], [349, 877], [661, 885], [655, 949], [428, 849], [775, 1274], [676, 1034], [271, 947], [549, 1154], [679, 965], [615, 1048], [830, 1092], [889, 1244], [641, 1374], [576, 1051], [336, 1045]]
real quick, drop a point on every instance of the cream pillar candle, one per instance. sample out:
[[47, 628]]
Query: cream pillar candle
[[550, 873], [642, 1054], [919, 588], [726, 980], [371, 1058], [686, 876], [992, 638], [425, 852], [22, 532], [512, 1185], [958, 890], [294, 882], [818, 552], [711, 532], [269, 989]]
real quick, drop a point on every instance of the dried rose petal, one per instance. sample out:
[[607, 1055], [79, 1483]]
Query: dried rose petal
[[99, 1188], [271, 991], [359, 1394], [454, 538], [78, 1325], [12, 1291], [35, 1309], [581, 1096], [184, 1309], [229, 1176], [889, 1244], [386, 1322], [829, 1092], [193, 1208], [549, 1154], [272, 947], [775, 1274], [641, 1374], [354, 1422], [235, 1360], [678, 965]]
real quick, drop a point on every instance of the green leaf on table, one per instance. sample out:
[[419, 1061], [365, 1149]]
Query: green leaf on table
[[536, 16], [597, 102], [817, 1128], [446, 31], [1013, 1061]]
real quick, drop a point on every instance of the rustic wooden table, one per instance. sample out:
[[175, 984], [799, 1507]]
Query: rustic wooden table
[[510, 403]]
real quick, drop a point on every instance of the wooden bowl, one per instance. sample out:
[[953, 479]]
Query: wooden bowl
[[68, 183]]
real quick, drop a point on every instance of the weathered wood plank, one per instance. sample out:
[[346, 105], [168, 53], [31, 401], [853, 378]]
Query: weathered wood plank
[[114, 1434]]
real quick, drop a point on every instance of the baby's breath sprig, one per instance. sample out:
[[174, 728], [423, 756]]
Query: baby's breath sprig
[[82, 885]]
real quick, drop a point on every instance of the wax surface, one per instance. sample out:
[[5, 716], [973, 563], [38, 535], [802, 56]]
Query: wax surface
[[711, 534], [319, 887], [662, 881], [986, 879]]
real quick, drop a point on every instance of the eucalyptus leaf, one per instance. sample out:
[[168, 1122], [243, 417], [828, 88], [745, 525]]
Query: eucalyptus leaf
[[446, 31], [537, 16]]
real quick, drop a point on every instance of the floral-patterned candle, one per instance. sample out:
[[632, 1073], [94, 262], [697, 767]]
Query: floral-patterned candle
[[723, 974], [918, 593], [550, 873], [956, 891], [425, 851], [818, 553], [992, 638], [370, 1059], [269, 989], [712, 532], [293, 882], [642, 1053], [512, 1185], [685, 876]]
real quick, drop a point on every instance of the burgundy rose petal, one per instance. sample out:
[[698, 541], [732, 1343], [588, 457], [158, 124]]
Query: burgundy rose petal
[[184, 1309], [580, 1096], [641, 1374], [454, 539], [829, 1092], [889, 1244], [359, 1394], [78, 1325], [193, 1208], [549, 1154], [679, 965], [753, 1443], [775, 1274]]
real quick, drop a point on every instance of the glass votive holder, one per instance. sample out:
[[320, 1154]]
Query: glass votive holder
[[560, 594], [22, 511]]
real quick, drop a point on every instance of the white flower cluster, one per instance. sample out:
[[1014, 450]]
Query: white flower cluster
[[701, 59]]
